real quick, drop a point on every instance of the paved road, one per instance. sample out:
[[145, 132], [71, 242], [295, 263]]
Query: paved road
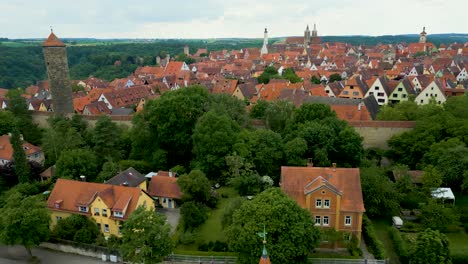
[[18, 255], [172, 216]]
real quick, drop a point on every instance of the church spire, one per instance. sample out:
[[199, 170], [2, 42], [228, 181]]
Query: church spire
[[264, 259], [422, 36], [264, 49]]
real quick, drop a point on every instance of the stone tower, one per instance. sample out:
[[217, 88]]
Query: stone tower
[[264, 49], [55, 55], [186, 50], [422, 36], [306, 37], [314, 31]]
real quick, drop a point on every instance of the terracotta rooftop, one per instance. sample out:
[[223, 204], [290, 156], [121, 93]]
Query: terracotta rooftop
[[53, 41], [68, 195], [164, 186], [6, 149], [347, 181]]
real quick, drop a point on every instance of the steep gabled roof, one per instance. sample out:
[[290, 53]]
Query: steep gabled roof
[[294, 181]]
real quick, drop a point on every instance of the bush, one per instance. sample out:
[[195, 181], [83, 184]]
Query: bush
[[216, 246], [399, 244], [353, 247], [187, 238], [77, 228], [193, 214], [459, 258], [373, 243]]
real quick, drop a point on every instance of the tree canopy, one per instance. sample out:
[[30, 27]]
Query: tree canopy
[[146, 237], [291, 232], [431, 247], [24, 221]]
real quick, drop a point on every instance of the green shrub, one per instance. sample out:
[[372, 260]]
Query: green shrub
[[187, 238], [459, 258], [353, 247], [216, 246], [373, 243], [399, 244], [193, 214]]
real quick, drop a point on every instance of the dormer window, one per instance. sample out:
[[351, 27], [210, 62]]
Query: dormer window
[[83, 209], [118, 214]]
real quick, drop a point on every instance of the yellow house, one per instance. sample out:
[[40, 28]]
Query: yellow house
[[333, 196], [109, 205]]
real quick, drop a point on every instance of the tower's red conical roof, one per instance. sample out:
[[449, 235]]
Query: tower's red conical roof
[[53, 41]]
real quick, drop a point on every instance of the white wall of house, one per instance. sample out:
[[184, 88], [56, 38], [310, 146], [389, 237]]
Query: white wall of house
[[431, 91], [378, 91], [463, 75], [329, 91], [399, 94], [104, 99]]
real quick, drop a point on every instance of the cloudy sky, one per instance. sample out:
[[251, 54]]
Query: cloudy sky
[[227, 18]]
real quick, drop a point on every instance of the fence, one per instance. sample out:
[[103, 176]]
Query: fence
[[346, 261], [201, 259]]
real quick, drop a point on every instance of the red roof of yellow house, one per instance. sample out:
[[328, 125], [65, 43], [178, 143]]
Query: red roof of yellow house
[[53, 41], [164, 186], [68, 195], [347, 181]]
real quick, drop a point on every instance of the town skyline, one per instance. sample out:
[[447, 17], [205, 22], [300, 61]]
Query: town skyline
[[236, 19]]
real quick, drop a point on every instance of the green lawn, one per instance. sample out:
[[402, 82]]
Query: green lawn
[[211, 230], [458, 242], [381, 229]]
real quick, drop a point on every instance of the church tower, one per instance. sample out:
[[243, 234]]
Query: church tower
[[264, 49], [186, 50], [55, 55], [306, 37], [314, 32], [422, 36]]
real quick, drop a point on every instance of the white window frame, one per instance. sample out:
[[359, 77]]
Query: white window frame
[[318, 220], [318, 203], [97, 211], [348, 220], [83, 209], [58, 218], [118, 214], [104, 212], [106, 228], [326, 221], [325, 202]]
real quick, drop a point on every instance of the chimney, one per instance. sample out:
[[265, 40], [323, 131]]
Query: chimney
[[309, 162], [334, 166]]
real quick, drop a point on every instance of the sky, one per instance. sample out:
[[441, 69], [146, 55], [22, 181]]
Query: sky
[[227, 18]]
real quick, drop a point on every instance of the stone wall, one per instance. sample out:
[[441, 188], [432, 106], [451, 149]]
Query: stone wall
[[40, 118], [74, 248], [375, 133]]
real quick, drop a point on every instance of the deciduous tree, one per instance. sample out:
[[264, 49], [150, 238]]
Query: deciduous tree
[[24, 221], [195, 187], [76, 162], [291, 232], [431, 247], [146, 237]]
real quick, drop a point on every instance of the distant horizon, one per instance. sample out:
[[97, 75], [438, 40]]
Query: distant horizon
[[235, 37], [213, 19]]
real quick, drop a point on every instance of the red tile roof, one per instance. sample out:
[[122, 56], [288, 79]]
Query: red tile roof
[[164, 186], [347, 181], [53, 41], [6, 149], [71, 194]]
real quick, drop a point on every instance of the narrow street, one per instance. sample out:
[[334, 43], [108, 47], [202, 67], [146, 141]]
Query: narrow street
[[18, 255]]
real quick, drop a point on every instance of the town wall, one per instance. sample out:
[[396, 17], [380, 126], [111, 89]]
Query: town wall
[[375, 133]]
